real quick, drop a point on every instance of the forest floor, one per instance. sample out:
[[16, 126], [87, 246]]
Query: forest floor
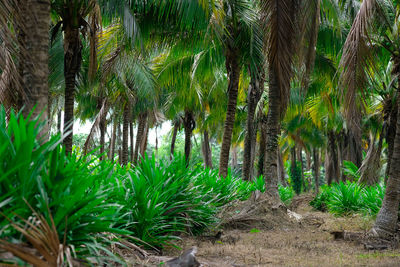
[[308, 243]]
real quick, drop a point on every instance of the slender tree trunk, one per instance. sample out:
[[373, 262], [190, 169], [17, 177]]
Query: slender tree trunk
[[139, 135], [331, 160], [300, 157], [103, 128], [125, 136], [132, 148], [390, 136], [143, 145], [253, 96], [119, 143], [189, 125], [234, 157], [72, 63], [34, 60], [263, 145], [316, 167], [273, 132], [207, 150], [59, 126], [233, 70], [386, 221], [281, 169], [174, 134], [112, 142]]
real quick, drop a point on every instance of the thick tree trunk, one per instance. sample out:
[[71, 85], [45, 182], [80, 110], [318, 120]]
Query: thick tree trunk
[[233, 70], [34, 59], [173, 141], [72, 63], [253, 96], [139, 135], [352, 150], [103, 128], [188, 125], [386, 221], [316, 167], [273, 132], [131, 138], [111, 152], [207, 150], [125, 136], [263, 145]]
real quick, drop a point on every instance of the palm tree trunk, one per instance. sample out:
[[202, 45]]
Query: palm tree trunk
[[112, 142], [273, 131], [371, 165], [125, 136], [131, 138], [316, 169], [281, 169], [188, 125], [300, 157], [234, 157], [59, 121], [35, 58], [233, 70], [331, 160], [207, 150], [390, 136], [139, 135], [72, 63], [143, 145], [253, 96], [102, 126], [386, 221], [174, 134], [263, 145]]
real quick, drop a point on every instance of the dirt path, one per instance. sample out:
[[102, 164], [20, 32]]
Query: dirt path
[[309, 244]]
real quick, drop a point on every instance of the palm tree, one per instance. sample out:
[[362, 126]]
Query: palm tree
[[376, 18], [31, 21], [72, 19], [242, 44]]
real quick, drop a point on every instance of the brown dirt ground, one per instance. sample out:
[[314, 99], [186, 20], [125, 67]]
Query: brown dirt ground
[[307, 244]]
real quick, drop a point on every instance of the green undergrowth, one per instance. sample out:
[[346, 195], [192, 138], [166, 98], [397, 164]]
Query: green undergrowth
[[349, 198], [95, 204]]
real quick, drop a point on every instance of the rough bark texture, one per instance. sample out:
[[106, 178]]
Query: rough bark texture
[[125, 136], [370, 167], [35, 56], [139, 135], [352, 150], [390, 134], [316, 167], [331, 160], [281, 169], [206, 149], [253, 96], [233, 70], [72, 63], [102, 127], [145, 138], [263, 145], [386, 221], [273, 131], [111, 152], [234, 157], [59, 122], [188, 125], [131, 138], [173, 141]]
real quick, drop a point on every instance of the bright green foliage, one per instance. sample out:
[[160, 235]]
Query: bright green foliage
[[348, 198], [286, 194], [351, 170]]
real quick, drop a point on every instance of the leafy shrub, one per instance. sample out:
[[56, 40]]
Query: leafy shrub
[[295, 177], [286, 194], [320, 202], [345, 198]]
